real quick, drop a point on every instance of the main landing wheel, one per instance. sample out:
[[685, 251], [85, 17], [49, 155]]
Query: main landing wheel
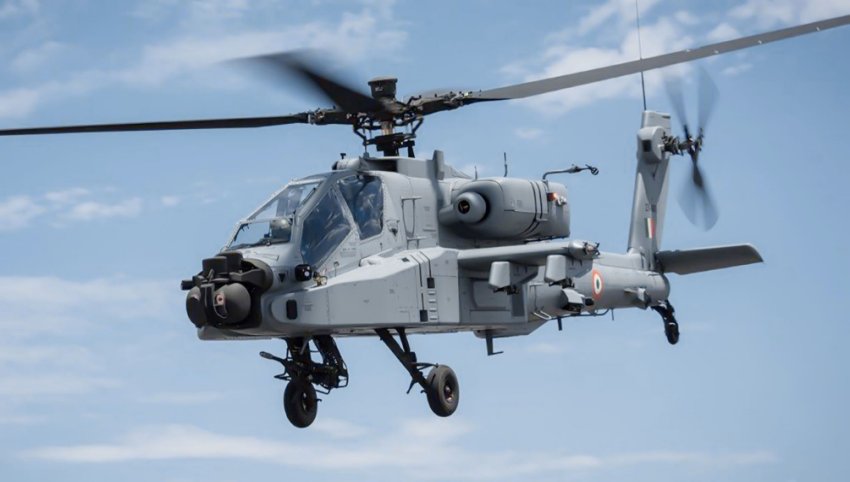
[[671, 330], [443, 390], [300, 403]]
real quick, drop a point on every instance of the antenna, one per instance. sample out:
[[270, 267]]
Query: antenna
[[640, 54], [505, 156]]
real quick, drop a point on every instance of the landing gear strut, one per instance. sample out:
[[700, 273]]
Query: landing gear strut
[[440, 386], [671, 326], [304, 375]]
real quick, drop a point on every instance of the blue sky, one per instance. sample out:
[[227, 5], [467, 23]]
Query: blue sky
[[102, 377]]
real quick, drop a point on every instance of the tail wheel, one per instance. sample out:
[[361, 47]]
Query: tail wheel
[[443, 390], [671, 330], [300, 403]]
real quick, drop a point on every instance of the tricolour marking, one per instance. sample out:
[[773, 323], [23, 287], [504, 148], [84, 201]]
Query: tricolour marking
[[597, 284], [650, 228]]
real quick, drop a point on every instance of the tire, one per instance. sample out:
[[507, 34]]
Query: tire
[[671, 330], [443, 390], [300, 403]]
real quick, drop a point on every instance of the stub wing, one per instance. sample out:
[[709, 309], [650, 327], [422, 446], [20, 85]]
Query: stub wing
[[532, 254], [687, 261]]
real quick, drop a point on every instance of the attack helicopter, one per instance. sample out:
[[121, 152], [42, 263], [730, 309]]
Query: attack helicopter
[[391, 245]]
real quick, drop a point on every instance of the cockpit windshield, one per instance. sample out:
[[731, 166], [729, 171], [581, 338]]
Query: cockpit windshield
[[272, 222]]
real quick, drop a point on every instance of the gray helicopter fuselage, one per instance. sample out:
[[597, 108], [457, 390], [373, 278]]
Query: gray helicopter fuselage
[[393, 246], [415, 256]]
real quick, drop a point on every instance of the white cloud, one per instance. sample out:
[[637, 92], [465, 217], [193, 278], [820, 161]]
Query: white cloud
[[736, 69], [219, 9], [43, 320], [31, 386], [14, 8], [686, 18], [723, 31], [91, 210], [528, 133], [621, 12], [36, 57], [665, 35], [607, 35], [169, 200], [773, 13], [46, 305], [703, 459], [154, 10], [338, 428], [546, 348], [67, 196], [19, 102], [355, 36], [200, 13], [28, 354], [67, 206], [184, 398], [435, 439], [16, 212], [21, 419]]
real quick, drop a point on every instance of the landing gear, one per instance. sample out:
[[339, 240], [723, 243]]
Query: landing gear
[[671, 326], [304, 375], [443, 390], [671, 331], [300, 403], [441, 385]]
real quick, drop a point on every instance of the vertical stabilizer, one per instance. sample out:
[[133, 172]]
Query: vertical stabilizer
[[650, 198]]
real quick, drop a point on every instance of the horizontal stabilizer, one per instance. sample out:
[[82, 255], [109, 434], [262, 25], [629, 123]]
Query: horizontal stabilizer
[[689, 261]]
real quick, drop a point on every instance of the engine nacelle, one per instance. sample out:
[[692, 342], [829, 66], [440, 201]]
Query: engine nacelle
[[508, 209]]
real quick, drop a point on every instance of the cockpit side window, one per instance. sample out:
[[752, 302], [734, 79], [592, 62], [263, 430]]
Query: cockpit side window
[[365, 199], [325, 227]]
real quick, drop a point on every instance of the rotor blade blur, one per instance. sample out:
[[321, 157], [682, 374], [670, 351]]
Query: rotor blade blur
[[284, 64], [232, 123], [552, 84], [696, 173], [707, 99], [673, 86], [697, 202]]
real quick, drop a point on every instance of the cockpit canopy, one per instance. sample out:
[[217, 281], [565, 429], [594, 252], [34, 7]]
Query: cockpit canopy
[[353, 202], [272, 222]]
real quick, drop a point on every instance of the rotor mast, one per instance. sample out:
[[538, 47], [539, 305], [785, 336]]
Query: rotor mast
[[388, 141]]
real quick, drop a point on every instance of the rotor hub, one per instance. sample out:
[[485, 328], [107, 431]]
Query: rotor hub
[[383, 87]]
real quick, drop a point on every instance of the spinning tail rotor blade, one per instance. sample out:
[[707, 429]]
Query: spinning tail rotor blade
[[707, 98], [697, 201], [673, 86], [695, 198]]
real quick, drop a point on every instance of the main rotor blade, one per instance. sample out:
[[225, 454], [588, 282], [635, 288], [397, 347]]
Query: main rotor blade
[[232, 123], [537, 87], [283, 64]]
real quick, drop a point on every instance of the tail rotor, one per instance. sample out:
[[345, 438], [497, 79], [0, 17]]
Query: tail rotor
[[696, 199]]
